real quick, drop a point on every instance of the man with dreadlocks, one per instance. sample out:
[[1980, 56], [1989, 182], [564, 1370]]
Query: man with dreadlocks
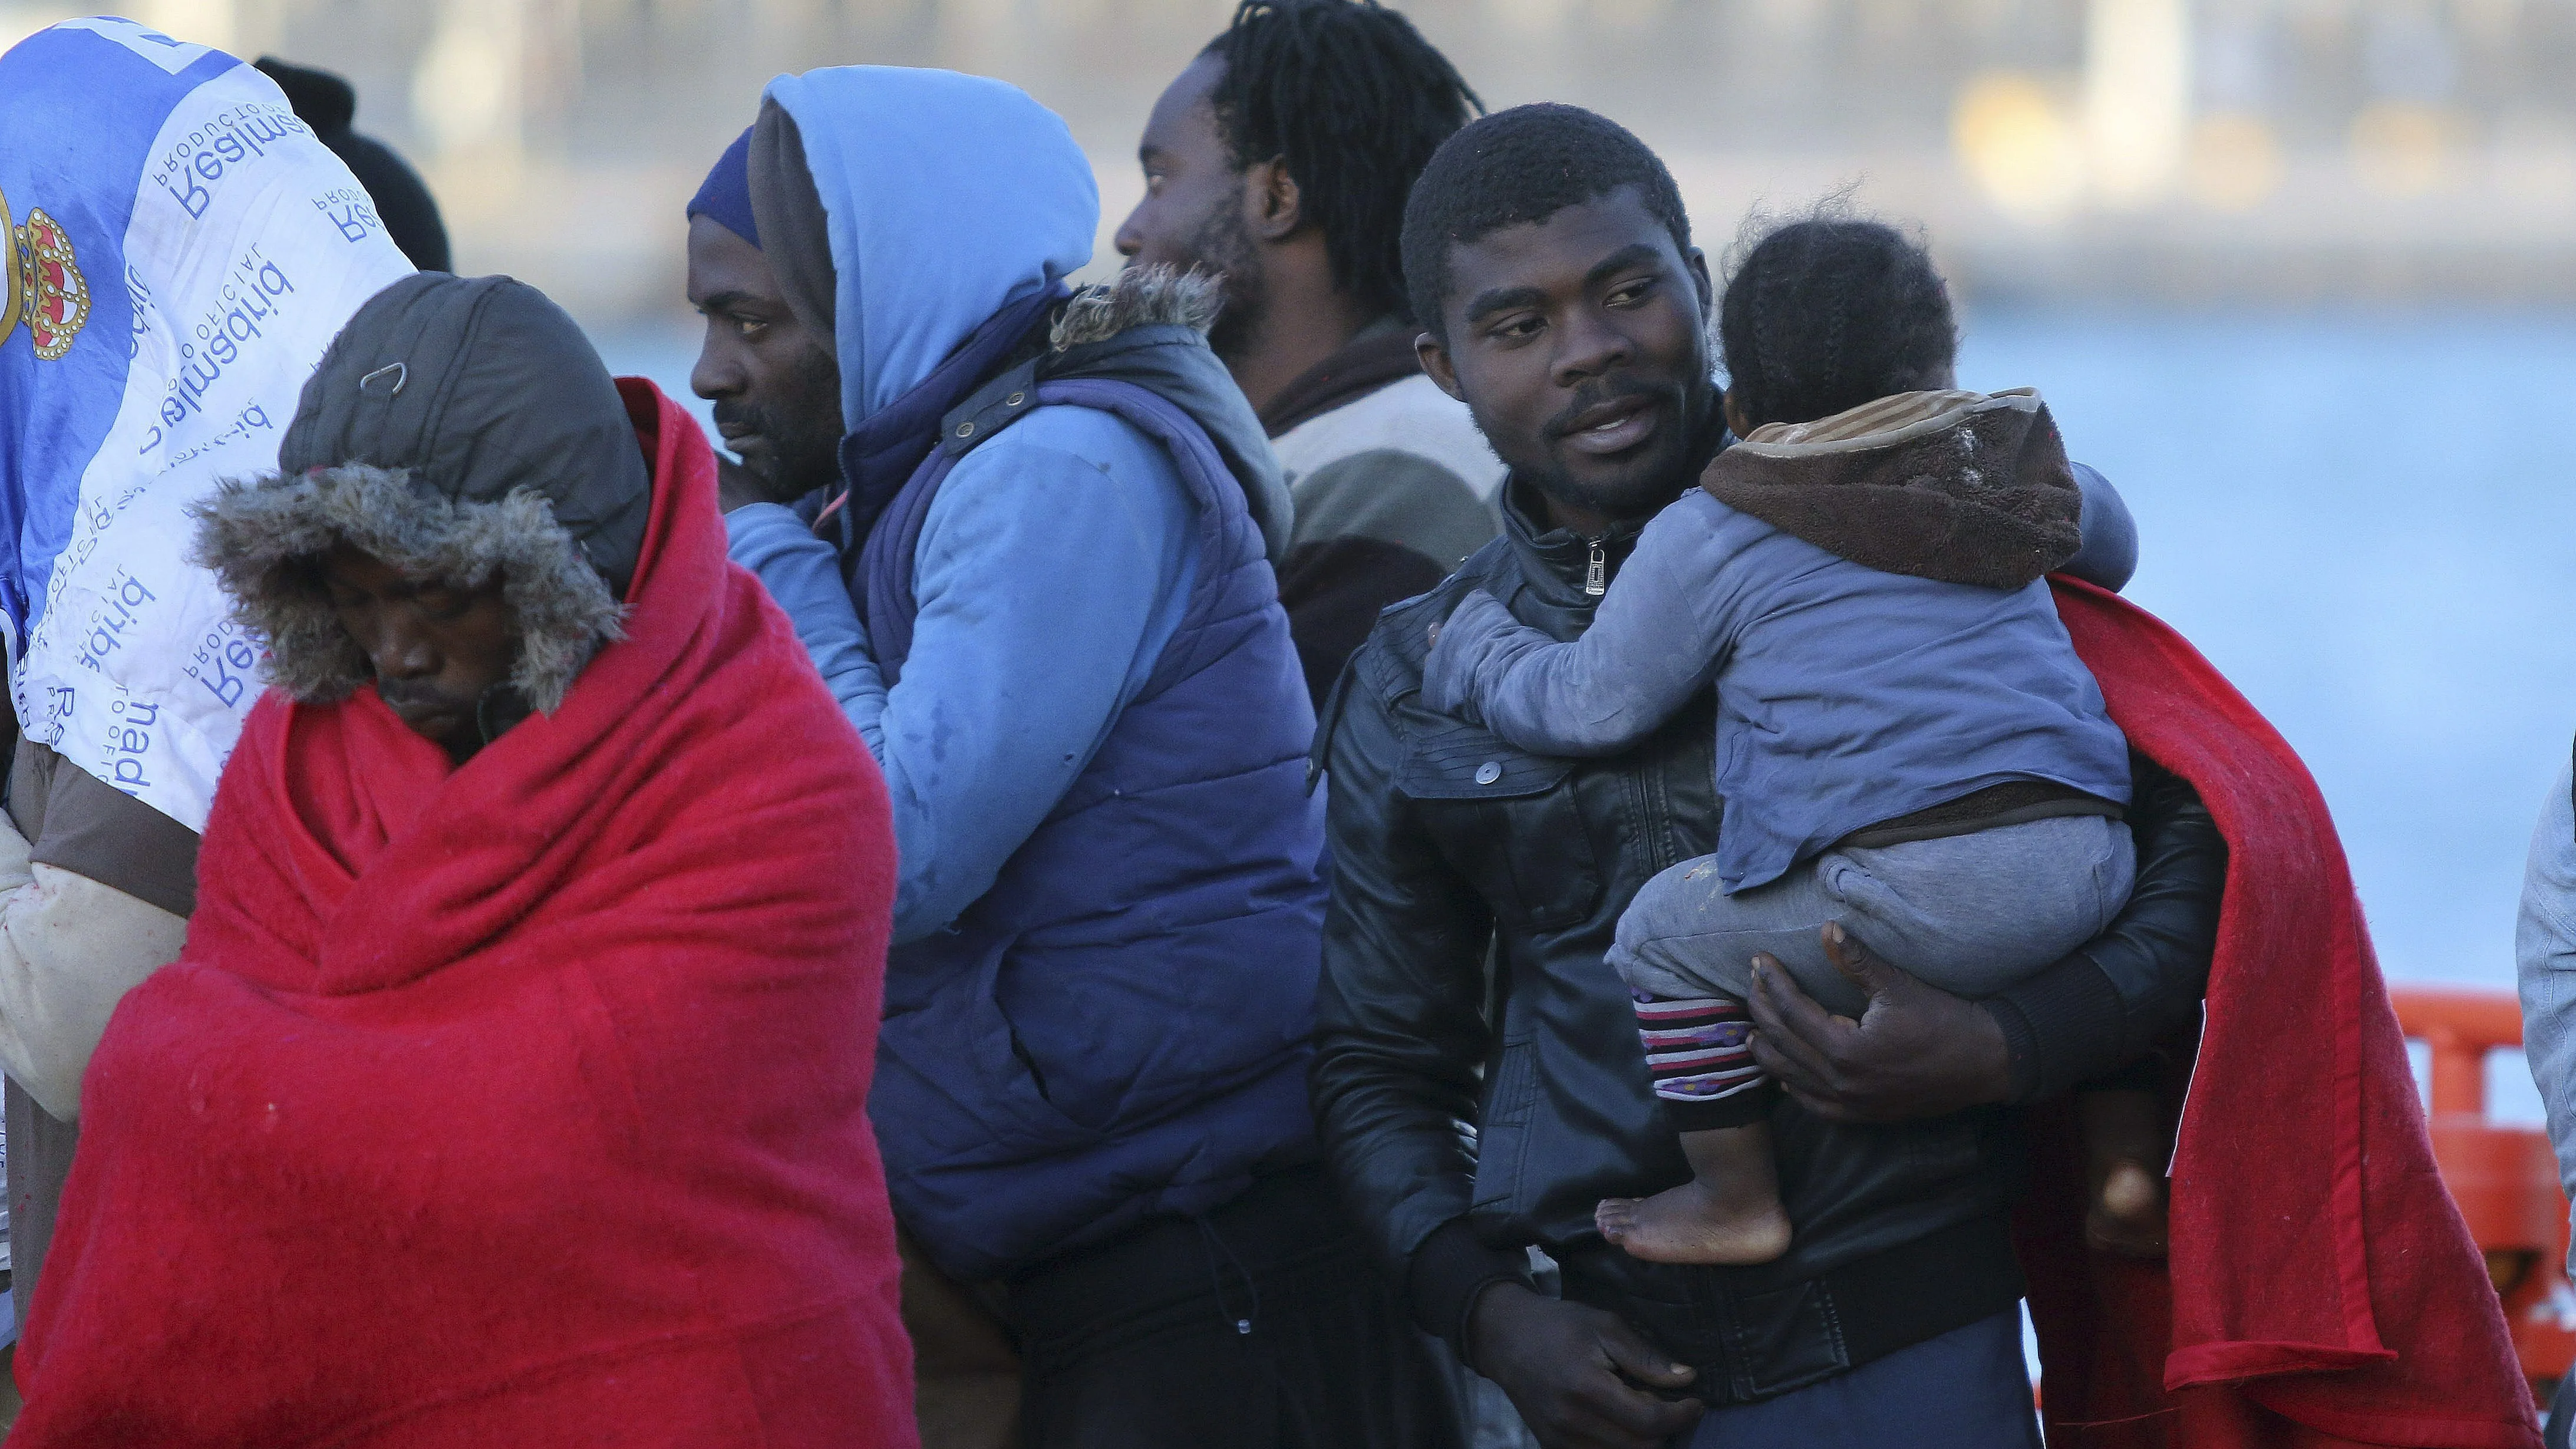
[[1280, 159]]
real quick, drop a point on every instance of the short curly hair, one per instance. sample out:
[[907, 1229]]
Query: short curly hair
[[1523, 165], [1826, 313]]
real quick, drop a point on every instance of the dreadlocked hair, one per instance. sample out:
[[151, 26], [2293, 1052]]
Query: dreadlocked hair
[[1826, 313], [1351, 101], [1523, 165]]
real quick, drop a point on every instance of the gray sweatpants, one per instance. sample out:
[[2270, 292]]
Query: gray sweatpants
[[1971, 914]]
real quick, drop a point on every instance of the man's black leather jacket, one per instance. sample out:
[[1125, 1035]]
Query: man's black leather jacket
[[1477, 1075]]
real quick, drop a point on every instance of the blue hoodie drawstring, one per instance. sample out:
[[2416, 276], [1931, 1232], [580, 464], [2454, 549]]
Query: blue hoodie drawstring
[[1211, 1244]]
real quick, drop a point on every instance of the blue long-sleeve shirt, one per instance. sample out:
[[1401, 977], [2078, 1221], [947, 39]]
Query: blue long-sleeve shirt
[[1053, 567], [2109, 553]]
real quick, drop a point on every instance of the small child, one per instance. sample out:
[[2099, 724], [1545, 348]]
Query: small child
[[1907, 743]]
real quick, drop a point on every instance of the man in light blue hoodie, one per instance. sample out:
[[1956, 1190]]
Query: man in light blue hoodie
[[1028, 538]]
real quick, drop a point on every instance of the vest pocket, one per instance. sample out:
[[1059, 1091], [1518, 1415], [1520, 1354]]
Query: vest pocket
[[1508, 821], [955, 1077]]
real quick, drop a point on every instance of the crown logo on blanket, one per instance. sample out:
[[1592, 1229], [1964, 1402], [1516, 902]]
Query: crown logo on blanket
[[40, 283]]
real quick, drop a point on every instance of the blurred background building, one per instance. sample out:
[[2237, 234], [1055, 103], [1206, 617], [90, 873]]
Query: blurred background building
[[2297, 274], [2166, 149]]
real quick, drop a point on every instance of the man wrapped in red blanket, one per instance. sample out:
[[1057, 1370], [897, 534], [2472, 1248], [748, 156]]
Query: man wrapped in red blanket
[[510, 1089]]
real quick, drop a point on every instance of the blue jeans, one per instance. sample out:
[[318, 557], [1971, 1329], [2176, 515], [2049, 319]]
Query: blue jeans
[[1967, 1389]]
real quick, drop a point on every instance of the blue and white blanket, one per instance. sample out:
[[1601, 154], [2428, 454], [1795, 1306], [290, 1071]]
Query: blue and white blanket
[[179, 250]]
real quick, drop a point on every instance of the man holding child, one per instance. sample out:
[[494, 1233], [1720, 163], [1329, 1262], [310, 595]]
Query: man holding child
[[1550, 258]]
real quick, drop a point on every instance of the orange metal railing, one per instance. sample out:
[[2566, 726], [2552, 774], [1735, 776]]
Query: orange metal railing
[[2504, 1178]]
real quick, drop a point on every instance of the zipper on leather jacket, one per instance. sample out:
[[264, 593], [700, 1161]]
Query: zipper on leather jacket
[[1596, 569]]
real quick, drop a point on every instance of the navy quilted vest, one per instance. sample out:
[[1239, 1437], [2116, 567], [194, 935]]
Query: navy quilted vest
[[1118, 1029]]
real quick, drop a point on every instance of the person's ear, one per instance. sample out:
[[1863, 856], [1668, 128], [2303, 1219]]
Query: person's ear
[[1736, 422], [1435, 362], [1273, 208], [1698, 261]]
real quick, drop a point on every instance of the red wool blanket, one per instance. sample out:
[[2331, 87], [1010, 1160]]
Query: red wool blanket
[[515, 1104], [2322, 1289]]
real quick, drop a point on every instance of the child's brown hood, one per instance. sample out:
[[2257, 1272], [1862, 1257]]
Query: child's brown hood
[[1961, 487]]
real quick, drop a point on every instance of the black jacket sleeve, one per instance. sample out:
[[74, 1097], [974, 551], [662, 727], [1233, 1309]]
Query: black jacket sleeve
[[2109, 1003], [1400, 1031]]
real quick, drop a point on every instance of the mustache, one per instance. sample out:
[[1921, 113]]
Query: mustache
[[1593, 394], [402, 694], [741, 416]]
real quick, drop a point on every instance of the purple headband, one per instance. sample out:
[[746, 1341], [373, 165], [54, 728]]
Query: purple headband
[[726, 193]]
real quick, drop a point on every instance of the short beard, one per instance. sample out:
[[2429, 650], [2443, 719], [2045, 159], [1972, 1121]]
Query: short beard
[[1224, 247], [803, 426], [1676, 464]]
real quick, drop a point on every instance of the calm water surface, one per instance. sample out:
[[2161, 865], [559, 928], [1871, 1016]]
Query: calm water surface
[[2369, 523]]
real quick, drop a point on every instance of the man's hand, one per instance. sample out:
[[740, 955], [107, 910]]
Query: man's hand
[[1572, 1372], [1917, 1051]]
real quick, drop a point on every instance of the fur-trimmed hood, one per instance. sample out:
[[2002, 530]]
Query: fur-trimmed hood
[[459, 429], [1137, 297], [1956, 486], [264, 539]]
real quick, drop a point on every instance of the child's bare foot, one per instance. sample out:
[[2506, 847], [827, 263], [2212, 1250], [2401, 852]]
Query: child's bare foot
[[2125, 1136], [2128, 1212], [1690, 1224]]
